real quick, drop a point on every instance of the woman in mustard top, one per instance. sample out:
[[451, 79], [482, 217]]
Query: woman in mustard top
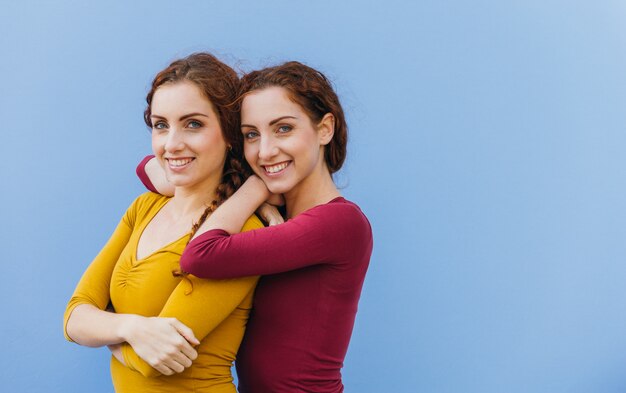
[[172, 332]]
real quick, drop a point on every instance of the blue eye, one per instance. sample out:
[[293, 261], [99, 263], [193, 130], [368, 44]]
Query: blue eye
[[284, 129], [250, 134], [194, 124], [159, 125]]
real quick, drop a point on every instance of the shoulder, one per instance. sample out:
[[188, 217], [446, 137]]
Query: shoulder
[[148, 201], [343, 225], [150, 197], [144, 204], [338, 219], [338, 212]]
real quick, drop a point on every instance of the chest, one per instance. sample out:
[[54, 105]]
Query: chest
[[143, 286], [161, 232]]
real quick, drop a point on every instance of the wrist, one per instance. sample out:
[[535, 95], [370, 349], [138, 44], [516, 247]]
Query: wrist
[[125, 326], [255, 187]]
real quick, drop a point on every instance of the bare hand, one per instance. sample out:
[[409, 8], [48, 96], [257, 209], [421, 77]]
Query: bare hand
[[276, 200], [270, 214], [257, 186], [164, 343]]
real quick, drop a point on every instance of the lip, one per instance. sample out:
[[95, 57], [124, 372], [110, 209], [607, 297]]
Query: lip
[[278, 168], [178, 164]]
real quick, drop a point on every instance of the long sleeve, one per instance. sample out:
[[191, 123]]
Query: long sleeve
[[200, 304], [326, 234], [93, 287], [143, 176]]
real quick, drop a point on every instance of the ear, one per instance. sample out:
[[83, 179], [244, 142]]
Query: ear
[[326, 129]]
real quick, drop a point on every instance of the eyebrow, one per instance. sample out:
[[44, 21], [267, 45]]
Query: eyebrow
[[182, 117], [271, 123]]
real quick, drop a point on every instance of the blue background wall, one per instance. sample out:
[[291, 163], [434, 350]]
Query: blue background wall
[[487, 150]]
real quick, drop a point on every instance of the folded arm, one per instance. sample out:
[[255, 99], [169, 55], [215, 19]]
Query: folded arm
[[201, 305], [208, 304], [87, 322]]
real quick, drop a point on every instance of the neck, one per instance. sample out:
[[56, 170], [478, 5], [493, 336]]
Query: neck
[[193, 200], [317, 189]]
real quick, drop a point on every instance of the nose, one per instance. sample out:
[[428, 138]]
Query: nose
[[174, 141], [267, 148]]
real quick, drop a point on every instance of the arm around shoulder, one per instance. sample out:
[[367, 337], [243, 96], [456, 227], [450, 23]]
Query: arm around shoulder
[[153, 176], [325, 234]]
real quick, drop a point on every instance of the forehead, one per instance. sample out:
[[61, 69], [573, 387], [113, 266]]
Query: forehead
[[268, 104], [180, 96]]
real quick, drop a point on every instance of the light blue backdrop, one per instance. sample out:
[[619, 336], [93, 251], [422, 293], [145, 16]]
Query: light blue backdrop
[[487, 149]]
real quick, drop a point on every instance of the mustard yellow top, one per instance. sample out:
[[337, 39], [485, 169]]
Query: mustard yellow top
[[216, 310]]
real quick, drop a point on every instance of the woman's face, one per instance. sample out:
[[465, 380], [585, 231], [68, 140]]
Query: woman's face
[[281, 143], [186, 135]]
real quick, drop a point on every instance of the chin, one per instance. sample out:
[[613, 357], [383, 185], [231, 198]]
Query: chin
[[279, 188], [177, 181]]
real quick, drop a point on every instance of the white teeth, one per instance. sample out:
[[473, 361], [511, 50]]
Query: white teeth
[[179, 161], [276, 168]]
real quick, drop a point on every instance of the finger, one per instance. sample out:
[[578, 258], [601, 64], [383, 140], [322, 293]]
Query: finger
[[189, 352], [163, 369], [175, 366], [183, 348], [183, 360], [264, 211], [185, 332], [276, 219]]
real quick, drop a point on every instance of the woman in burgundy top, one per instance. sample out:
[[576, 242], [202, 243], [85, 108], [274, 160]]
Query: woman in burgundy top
[[314, 264]]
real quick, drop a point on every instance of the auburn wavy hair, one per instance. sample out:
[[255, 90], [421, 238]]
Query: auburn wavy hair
[[220, 84], [311, 90]]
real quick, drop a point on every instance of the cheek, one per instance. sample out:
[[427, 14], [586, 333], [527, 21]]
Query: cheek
[[157, 145], [304, 148], [211, 143], [249, 152]]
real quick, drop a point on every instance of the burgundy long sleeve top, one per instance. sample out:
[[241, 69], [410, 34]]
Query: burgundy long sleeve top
[[304, 308], [313, 267]]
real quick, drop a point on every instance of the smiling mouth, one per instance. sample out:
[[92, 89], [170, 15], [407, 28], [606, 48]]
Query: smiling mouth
[[276, 168], [178, 162]]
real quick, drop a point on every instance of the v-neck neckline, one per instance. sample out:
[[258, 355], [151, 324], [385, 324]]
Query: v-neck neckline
[[143, 229]]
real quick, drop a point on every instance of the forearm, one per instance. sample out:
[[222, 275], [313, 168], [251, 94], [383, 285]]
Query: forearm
[[92, 327], [153, 176], [329, 234], [233, 213]]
